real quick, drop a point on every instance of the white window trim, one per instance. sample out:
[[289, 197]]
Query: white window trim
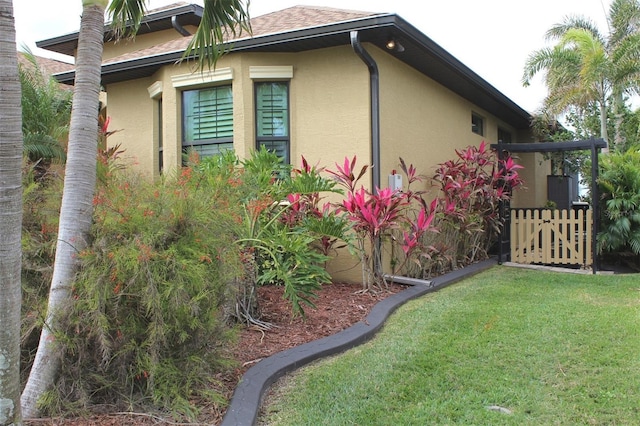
[[155, 90], [281, 72], [199, 79]]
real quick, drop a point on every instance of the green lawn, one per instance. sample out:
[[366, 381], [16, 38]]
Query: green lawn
[[551, 348]]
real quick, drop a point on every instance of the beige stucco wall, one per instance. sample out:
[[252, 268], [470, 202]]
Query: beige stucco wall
[[534, 174], [328, 106], [421, 121], [131, 112]]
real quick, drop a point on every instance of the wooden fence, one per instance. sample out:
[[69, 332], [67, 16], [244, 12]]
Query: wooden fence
[[553, 237]]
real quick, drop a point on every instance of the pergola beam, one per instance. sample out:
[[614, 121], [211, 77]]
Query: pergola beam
[[584, 145]]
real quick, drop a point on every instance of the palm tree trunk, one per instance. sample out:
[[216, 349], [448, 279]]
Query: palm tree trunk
[[604, 134], [618, 137], [77, 199], [10, 219]]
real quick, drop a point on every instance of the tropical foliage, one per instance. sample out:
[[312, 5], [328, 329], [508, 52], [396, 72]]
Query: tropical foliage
[[455, 229], [471, 191], [587, 69], [76, 211], [171, 266], [285, 231], [619, 186], [46, 108], [147, 324], [374, 216]]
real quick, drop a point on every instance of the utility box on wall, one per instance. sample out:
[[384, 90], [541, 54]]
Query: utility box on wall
[[395, 182], [561, 190]]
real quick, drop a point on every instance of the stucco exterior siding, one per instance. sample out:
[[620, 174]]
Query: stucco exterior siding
[[131, 113], [329, 109], [422, 121], [423, 115], [534, 174]]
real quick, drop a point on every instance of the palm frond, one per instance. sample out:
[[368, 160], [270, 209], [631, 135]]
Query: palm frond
[[222, 20], [41, 146], [570, 22], [126, 16], [624, 19]]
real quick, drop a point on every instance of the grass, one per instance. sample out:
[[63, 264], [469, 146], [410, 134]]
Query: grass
[[551, 348]]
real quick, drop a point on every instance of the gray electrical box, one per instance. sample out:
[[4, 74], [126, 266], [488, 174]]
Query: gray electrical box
[[395, 182]]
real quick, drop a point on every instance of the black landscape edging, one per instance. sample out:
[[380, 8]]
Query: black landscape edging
[[247, 397]]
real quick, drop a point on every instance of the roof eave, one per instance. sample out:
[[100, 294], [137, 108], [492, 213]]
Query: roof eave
[[443, 67], [66, 44]]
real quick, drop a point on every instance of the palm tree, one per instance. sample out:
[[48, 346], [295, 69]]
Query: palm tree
[[46, 109], [586, 68], [10, 219], [80, 176], [624, 41]]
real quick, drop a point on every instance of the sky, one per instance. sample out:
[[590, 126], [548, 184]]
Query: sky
[[491, 37]]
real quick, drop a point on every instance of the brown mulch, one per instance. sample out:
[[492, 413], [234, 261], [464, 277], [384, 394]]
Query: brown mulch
[[338, 306]]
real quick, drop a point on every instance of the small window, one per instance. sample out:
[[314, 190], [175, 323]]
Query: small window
[[477, 124], [504, 136], [272, 118], [160, 148], [207, 120]]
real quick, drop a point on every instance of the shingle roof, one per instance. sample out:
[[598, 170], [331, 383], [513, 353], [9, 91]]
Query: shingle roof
[[298, 17], [168, 7], [50, 66], [306, 28], [290, 19]]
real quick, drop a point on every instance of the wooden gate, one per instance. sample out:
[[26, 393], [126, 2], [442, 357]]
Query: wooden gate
[[553, 237]]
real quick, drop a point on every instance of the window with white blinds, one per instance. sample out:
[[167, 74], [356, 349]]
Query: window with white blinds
[[272, 118], [207, 120]]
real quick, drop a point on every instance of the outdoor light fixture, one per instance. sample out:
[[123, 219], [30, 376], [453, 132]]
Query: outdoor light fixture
[[392, 44]]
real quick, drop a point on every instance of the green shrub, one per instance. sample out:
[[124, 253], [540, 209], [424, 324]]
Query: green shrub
[[284, 233], [147, 323], [619, 187], [46, 110], [471, 188], [170, 267]]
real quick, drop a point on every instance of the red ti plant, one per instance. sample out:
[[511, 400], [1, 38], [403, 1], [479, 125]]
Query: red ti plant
[[306, 209], [107, 156], [472, 187], [375, 215]]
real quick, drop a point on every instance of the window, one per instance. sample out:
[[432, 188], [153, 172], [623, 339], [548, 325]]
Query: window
[[272, 117], [477, 124], [504, 136], [160, 149], [207, 120]]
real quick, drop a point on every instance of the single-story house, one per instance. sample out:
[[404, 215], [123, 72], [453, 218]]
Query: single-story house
[[314, 81]]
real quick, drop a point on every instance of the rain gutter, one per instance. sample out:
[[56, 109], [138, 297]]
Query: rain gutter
[[179, 28], [374, 85]]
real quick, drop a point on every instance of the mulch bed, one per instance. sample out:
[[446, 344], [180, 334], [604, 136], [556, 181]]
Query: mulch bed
[[338, 306]]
